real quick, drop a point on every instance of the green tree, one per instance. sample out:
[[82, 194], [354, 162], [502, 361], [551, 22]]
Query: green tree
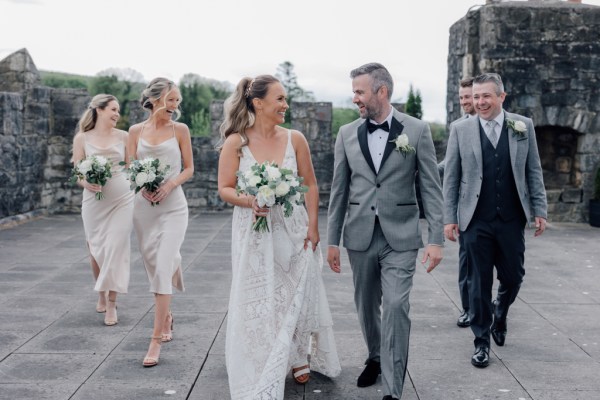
[[413, 103], [62, 80], [342, 116], [287, 76], [197, 93]]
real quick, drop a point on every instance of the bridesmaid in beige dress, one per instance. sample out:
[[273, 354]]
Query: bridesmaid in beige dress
[[107, 222], [160, 229]]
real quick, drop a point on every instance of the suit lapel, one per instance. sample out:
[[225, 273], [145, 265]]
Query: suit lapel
[[476, 141], [395, 131], [364, 145], [512, 142]]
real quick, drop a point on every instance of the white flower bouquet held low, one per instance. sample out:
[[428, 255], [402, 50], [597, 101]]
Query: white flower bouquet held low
[[92, 169], [148, 174], [271, 186]]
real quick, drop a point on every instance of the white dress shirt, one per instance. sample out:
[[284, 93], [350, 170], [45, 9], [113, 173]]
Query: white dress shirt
[[377, 140]]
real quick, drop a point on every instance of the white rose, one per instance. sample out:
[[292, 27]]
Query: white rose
[[273, 173], [282, 189], [141, 178], [85, 166], [402, 140], [151, 176], [265, 196], [296, 198], [101, 160], [520, 126], [254, 180], [294, 183]]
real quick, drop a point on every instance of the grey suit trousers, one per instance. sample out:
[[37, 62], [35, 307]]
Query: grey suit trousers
[[382, 283]]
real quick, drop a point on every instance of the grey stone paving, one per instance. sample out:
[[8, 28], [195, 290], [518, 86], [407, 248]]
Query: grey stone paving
[[53, 345]]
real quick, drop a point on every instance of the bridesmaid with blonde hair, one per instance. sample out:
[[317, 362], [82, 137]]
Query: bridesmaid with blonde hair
[[160, 229], [107, 222]]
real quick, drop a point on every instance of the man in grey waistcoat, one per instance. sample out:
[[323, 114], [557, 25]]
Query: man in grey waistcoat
[[373, 201], [493, 185]]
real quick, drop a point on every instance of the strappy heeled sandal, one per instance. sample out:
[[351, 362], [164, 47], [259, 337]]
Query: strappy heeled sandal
[[151, 361], [101, 308], [167, 337], [301, 374], [111, 322]]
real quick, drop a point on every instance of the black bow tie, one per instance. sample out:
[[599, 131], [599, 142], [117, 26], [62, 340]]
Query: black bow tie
[[371, 127]]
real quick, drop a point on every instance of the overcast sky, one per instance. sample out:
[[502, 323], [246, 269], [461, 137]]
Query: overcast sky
[[229, 39]]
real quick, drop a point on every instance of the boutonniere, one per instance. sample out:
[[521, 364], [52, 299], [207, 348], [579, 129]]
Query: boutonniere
[[518, 127], [402, 144]]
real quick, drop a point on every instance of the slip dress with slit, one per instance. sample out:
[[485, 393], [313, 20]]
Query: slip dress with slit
[[108, 222], [160, 230]]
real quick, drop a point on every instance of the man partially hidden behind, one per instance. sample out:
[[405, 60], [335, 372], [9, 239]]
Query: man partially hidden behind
[[465, 97], [492, 161]]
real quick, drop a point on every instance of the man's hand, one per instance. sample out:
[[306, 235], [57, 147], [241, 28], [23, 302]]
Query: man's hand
[[434, 253], [333, 258], [451, 231], [540, 226]]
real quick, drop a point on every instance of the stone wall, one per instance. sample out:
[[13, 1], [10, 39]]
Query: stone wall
[[548, 55], [36, 132]]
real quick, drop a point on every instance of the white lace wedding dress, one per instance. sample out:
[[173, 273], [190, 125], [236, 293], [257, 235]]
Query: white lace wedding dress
[[278, 310]]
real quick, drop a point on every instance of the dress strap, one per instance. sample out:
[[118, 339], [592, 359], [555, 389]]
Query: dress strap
[[290, 146], [173, 125]]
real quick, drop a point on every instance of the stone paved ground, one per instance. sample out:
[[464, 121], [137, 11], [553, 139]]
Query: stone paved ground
[[53, 345]]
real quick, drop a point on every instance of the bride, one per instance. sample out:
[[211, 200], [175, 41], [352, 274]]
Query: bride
[[278, 311]]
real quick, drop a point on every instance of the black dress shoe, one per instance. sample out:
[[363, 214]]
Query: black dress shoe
[[388, 397], [464, 320], [369, 374], [499, 334], [498, 328], [481, 358]]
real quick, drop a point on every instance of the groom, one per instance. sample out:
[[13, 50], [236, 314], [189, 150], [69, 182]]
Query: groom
[[373, 199]]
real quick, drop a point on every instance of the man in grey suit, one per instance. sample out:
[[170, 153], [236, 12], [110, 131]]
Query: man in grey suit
[[465, 97], [493, 184], [373, 200]]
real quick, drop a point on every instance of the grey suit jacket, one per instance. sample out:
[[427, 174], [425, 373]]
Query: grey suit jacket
[[442, 164], [464, 171], [357, 191]]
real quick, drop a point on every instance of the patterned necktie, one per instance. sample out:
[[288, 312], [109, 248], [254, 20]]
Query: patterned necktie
[[371, 127], [491, 132]]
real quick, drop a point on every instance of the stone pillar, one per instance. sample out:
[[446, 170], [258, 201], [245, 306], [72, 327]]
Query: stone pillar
[[314, 121], [18, 72]]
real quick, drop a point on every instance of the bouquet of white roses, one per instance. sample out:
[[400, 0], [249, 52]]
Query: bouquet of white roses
[[147, 174], [93, 169], [271, 185]]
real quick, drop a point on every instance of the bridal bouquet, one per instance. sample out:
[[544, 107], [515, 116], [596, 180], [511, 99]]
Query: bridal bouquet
[[147, 174], [271, 185], [93, 169]]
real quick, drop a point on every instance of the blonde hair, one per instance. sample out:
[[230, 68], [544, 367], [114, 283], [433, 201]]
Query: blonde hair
[[87, 122], [239, 109], [153, 91]]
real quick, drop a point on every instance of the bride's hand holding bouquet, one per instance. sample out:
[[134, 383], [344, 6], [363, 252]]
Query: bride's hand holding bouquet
[[270, 185]]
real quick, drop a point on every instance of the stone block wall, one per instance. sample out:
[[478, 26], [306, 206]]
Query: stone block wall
[[548, 54]]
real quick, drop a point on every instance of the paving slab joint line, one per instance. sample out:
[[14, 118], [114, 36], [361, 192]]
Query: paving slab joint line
[[206, 358], [33, 337], [208, 242]]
